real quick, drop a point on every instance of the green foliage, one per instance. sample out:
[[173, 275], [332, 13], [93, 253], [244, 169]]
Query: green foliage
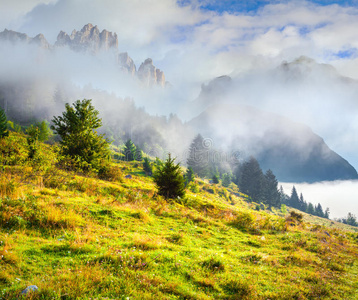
[[294, 200], [199, 156], [226, 180], [251, 180], [147, 167], [189, 176], [13, 149], [310, 209], [80, 141], [130, 151], [216, 179], [33, 140], [351, 220], [271, 193], [3, 124], [45, 131], [169, 180]]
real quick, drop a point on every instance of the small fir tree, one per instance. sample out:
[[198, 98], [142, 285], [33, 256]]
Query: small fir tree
[[147, 167], [3, 124], [326, 213], [189, 176], [251, 179], [169, 180], [80, 141], [319, 210], [130, 151], [271, 193], [216, 179], [226, 180], [198, 158], [294, 200], [45, 131], [310, 209]]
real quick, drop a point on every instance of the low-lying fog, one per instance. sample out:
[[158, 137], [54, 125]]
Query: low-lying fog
[[340, 196]]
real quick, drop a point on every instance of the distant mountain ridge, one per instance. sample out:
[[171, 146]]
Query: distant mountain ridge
[[90, 39], [291, 150]]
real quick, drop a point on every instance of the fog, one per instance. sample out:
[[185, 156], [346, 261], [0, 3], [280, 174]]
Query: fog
[[193, 46], [340, 196]]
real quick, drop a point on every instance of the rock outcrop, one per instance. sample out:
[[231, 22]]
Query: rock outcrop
[[126, 63], [89, 38], [150, 75], [17, 37]]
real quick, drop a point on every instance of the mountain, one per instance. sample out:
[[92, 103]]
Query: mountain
[[291, 150], [91, 40], [15, 37]]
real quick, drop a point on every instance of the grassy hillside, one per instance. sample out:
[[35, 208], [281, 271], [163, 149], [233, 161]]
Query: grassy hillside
[[76, 236]]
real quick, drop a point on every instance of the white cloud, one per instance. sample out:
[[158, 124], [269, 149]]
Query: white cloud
[[340, 196]]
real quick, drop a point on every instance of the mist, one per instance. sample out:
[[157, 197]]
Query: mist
[[289, 59], [340, 196]]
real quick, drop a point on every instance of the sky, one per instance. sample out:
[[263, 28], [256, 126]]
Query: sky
[[194, 41]]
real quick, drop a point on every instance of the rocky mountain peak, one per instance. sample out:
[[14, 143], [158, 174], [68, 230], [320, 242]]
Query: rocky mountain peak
[[18, 37], [150, 75], [89, 38]]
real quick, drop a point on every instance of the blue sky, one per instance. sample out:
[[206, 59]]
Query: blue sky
[[252, 6]]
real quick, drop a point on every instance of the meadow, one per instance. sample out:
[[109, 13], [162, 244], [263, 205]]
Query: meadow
[[79, 236]]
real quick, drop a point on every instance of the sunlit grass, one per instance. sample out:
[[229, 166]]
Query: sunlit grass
[[77, 236]]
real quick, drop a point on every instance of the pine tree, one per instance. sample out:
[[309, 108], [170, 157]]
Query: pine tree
[[3, 124], [215, 179], [284, 198], [271, 193], [198, 158], [189, 176], [45, 131], [138, 154], [294, 200], [169, 180], [80, 141], [147, 167], [302, 203], [251, 180], [351, 219], [129, 151], [319, 211], [226, 180], [310, 209], [326, 213]]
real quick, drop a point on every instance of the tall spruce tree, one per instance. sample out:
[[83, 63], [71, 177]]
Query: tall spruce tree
[[310, 209], [189, 176], [226, 180], [198, 158], [130, 151], [147, 167], [326, 213], [319, 211], [302, 203], [284, 198], [251, 180], [271, 193], [3, 124], [169, 180], [294, 200]]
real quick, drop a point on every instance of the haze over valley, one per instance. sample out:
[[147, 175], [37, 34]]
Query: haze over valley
[[272, 81]]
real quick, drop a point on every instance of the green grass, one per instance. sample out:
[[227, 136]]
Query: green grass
[[79, 237]]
